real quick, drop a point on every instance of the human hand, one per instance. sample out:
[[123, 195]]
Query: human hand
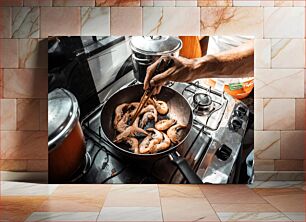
[[182, 70]]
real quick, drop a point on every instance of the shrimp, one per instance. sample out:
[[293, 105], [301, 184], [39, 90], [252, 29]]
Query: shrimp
[[164, 124], [148, 108], [146, 117], [132, 108], [164, 144], [122, 124], [173, 134], [119, 111], [161, 107], [148, 143], [128, 132], [133, 142]]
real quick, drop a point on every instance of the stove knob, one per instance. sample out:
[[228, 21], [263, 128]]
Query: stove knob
[[241, 111], [236, 124], [223, 153]]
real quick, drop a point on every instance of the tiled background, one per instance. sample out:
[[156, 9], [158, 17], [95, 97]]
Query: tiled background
[[279, 28]]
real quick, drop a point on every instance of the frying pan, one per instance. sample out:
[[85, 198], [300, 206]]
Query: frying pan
[[179, 109]]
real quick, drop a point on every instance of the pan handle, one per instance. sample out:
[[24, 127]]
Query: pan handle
[[185, 169]]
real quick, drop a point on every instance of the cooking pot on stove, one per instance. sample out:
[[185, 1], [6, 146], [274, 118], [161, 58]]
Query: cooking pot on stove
[[66, 144], [147, 49]]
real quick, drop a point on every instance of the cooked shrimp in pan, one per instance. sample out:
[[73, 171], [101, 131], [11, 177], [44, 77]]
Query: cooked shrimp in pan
[[133, 142], [119, 112], [164, 144], [155, 139], [161, 107], [164, 124], [147, 145], [173, 132], [123, 123], [131, 131], [146, 117]]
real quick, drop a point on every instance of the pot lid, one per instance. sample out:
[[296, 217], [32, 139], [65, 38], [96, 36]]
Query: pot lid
[[155, 45], [63, 113]]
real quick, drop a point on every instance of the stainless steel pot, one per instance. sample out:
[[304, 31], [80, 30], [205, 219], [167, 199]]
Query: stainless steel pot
[[147, 49], [66, 142]]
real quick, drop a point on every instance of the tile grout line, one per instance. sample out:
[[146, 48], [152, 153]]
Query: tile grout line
[[161, 209]]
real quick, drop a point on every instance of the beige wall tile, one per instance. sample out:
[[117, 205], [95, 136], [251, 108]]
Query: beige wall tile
[[8, 53], [292, 145], [95, 21], [258, 114], [263, 165], [163, 3], [130, 214], [13, 165], [194, 208], [262, 207], [246, 3], [278, 22], [133, 196], [5, 22], [77, 190], [7, 114], [51, 17], [25, 83], [266, 2], [146, 2], [43, 116], [300, 3], [219, 3], [23, 144], [10, 3], [186, 3], [178, 191], [73, 2], [28, 114], [33, 53], [305, 83], [262, 53], [279, 83], [284, 49], [159, 20], [267, 145], [279, 114], [289, 165], [117, 2], [37, 165], [229, 20], [300, 114], [230, 194], [126, 21], [283, 3], [25, 22], [1, 83], [37, 2]]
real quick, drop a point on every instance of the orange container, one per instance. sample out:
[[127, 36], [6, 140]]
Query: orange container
[[238, 90]]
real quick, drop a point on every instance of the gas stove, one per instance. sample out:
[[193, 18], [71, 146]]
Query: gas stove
[[212, 149]]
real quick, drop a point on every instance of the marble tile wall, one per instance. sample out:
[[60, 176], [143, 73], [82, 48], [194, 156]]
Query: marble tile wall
[[278, 27]]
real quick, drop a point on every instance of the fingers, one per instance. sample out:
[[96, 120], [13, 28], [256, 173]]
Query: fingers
[[149, 74], [157, 90], [163, 77], [151, 69]]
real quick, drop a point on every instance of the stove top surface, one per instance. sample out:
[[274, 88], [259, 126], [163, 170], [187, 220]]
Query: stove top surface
[[211, 148]]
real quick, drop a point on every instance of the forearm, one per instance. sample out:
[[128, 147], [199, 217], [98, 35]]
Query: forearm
[[237, 62]]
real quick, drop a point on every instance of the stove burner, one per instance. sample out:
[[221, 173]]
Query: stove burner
[[202, 103], [202, 100]]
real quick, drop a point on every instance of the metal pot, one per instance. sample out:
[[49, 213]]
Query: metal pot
[[147, 49], [66, 143]]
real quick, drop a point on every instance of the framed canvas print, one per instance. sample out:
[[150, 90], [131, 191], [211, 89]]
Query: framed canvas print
[[151, 109]]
